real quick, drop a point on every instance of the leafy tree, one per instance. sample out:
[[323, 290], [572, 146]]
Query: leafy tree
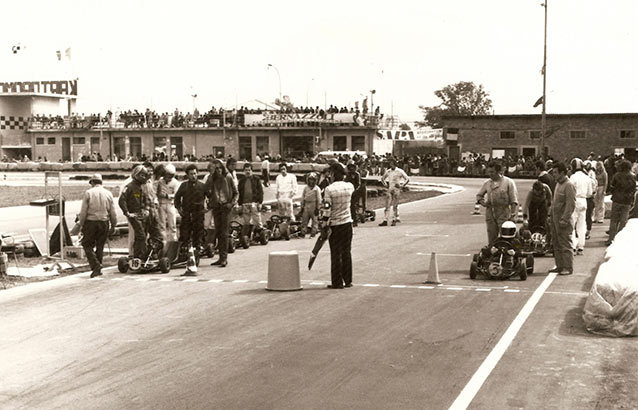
[[462, 98]]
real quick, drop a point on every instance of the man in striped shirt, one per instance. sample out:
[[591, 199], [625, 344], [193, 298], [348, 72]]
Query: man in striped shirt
[[338, 196]]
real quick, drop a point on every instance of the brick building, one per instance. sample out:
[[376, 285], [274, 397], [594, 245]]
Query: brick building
[[568, 135]]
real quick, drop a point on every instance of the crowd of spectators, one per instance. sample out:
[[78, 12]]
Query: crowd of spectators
[[215, 117]]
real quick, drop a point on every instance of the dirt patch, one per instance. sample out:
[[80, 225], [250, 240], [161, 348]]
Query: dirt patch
[[22, 195]]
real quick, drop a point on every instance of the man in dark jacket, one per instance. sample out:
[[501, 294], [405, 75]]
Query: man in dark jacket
[[623, 188], [137, 207], [251, 195], [189, 202], [355, 179], [222, 196]]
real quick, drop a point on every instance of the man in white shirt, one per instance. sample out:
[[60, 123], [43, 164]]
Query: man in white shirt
[[286, 190], [265, 170], [583, 185], [394, 179], [167, 214]]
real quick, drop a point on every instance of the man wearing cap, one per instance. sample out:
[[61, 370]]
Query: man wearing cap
[[394, 179], [286, 190], [98, 209], [166, 188], [583, 185]]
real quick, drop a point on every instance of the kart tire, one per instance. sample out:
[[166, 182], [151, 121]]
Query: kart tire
[[231, 245], [264, 237], [164, 265], [529, 262], [473, 270], [522, 270], [245, 242], [122, 264]]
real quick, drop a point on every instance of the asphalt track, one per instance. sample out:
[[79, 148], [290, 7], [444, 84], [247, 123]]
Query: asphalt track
[[220, 341]]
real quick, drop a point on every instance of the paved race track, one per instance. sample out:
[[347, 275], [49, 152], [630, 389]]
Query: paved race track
[[220, 341]]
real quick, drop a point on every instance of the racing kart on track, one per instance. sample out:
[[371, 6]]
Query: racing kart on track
[[364, 215], [504, 258], [155, 260], [279, 227], [176, 255], [536, 240]]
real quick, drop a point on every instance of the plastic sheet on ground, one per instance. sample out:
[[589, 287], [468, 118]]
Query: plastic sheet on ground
[[612, 305]]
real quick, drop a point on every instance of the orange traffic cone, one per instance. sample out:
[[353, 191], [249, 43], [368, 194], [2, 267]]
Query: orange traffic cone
[[477, 209], [191, 263], [433, 273]]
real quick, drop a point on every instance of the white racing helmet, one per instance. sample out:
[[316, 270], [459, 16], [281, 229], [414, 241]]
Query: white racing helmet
[[508, 229]]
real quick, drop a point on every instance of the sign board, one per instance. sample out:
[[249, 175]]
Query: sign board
[[498, 153], [411, 135], [57, 88], [276, 117]]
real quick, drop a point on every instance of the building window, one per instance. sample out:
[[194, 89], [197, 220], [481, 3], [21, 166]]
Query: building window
[[358, 143], [627, 134], [339, 143], [577, 135], [135, 147], [535, 135], [507, 135], [51, 141], [245, 148], [79, 140], [177, 148], [39, 141], [119, 147], [261, 145]]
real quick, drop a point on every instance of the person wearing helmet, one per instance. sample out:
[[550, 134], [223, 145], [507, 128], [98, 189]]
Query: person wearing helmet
[[502, 199], [137, 204], [508, 230], [167, 215], [310, 203], [583, 185]]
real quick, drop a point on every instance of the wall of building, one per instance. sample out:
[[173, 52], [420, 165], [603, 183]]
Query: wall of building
[[602, 133]]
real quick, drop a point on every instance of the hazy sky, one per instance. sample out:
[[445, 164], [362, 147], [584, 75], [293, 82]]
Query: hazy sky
[[137, 53]]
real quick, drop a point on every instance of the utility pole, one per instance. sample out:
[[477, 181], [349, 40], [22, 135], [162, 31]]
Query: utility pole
[[543, 115]]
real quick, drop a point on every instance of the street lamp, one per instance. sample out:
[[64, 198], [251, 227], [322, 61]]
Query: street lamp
[[543, 115], [278, 77]]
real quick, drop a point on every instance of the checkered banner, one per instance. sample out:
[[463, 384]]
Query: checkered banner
[[13, 123]]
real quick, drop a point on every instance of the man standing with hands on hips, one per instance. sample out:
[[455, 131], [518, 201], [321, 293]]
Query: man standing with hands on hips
[[394, 179], [286, 190], [337, 198]]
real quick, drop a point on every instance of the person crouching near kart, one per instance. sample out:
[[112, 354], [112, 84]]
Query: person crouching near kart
[[286, 190], [137, 206], [222, 195], [189, 202], [310, 203], [536, 207], [167, 215], [251, 195]]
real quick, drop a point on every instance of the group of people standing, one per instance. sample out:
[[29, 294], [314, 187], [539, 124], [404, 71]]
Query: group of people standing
[[564, 201]]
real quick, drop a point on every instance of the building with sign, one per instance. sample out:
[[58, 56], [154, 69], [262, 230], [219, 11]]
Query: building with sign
[[567, 135], [19, 101]]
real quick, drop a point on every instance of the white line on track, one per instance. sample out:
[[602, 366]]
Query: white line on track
[[371, 285], [444, 254], [424, 235], [482, 373], [398, 286]]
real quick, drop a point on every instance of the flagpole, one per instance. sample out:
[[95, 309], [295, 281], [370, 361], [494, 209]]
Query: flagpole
[[543, 116]]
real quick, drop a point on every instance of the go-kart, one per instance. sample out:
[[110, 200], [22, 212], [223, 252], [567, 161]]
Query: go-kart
[[536, 240], [153, 261], [364, 215], [176, 253], [502, 260], [251, 235], [279, 227]]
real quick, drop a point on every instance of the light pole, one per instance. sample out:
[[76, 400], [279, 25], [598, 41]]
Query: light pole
[[372, 93], [278, 77], [543, 116]]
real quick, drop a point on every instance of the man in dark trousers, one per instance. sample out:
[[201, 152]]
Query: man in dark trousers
[[623, 189], [189, 202], [137, 207], [355, 179], [338, 197], [222, 196], [98, 209]]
